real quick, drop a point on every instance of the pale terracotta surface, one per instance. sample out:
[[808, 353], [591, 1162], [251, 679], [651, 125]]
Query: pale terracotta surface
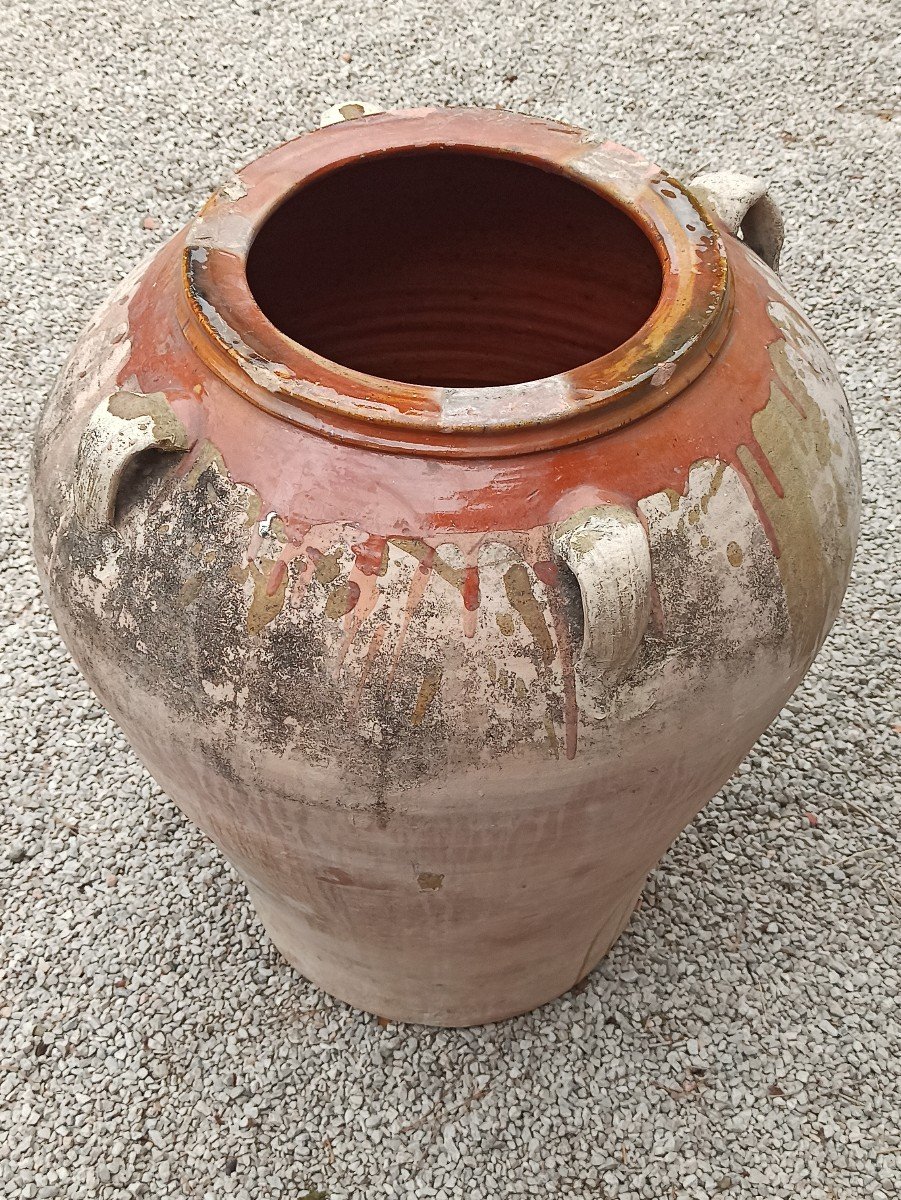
[[444, 668]]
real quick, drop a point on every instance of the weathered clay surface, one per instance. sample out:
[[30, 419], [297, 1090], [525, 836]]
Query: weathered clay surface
[[386, 684], [745, 206]]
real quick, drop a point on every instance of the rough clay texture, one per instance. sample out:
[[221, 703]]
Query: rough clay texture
[[743, 1036]]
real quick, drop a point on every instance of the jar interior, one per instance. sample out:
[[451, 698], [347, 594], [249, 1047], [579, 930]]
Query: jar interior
[[453, 269]]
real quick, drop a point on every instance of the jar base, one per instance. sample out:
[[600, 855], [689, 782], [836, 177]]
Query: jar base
[[455, 1005]]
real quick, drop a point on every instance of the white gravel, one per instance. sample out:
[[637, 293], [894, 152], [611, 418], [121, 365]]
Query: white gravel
[[743, 1037]]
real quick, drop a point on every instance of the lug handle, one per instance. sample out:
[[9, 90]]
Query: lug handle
[[743, 203], [607, 550], [120, 428]]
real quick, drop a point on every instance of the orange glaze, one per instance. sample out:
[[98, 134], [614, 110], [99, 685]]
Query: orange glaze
[[309, 479]]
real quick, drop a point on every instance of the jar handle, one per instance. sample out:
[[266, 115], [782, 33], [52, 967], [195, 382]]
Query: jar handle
[[347, 110], [743, 202], [607, 550], [120, 428]]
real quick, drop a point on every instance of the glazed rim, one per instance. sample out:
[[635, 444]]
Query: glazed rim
[[227, 328]]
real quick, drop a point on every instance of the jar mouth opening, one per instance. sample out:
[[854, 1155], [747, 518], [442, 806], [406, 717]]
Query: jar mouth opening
[[454, 281], [448, 268]]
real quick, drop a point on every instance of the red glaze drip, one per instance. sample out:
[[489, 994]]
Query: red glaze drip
[[369, 555], [766, 467], [547, 571], [276, 575], [418, 584], [353, 596], [372, 653], [309, 479], [471, 588]]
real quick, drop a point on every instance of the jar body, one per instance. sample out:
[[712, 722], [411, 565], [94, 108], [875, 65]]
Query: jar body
[[362, 673]]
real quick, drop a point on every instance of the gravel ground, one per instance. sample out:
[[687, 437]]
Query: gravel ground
[[743, 1037]]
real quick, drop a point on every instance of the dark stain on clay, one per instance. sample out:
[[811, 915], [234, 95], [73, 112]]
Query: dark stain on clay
[[429, 882], [342, 600], [237, 654], [455, 576], [713, 487], [692, 599], [190, 590], [269, 585], [428, 690], [328, 567], [505, 624], [519, 592], [277, 686]]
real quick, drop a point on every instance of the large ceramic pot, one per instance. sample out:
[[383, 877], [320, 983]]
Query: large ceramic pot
[[443, 515]]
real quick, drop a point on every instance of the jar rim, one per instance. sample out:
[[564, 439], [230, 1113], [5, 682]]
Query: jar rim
[[229, 331]]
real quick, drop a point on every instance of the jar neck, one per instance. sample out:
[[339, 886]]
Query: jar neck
[[522, 246]]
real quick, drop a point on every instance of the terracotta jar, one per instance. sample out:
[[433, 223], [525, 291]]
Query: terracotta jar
[[443, 515]]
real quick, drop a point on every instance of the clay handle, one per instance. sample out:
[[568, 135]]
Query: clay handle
[[744, 203], [606, 548], [119, 428]]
